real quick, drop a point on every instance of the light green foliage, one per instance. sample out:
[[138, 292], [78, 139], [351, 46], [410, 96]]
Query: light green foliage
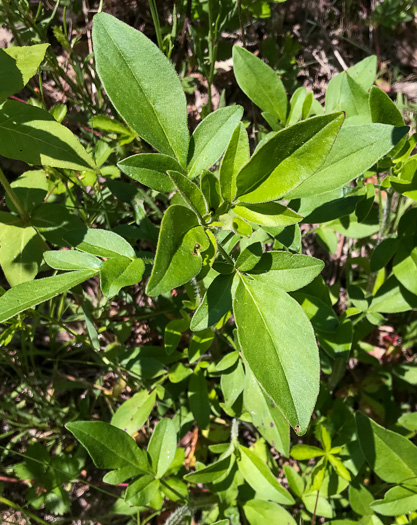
[[142, 86], [162, 446], [21, 63], [391, 456], [132, 414], [32, 135], [287, 159], [204, 151], [202, 368], [71, 260], [29, 294], [260, 83], [235, 156], [150, 169], [118, 272], [278, 324], [178, 257]]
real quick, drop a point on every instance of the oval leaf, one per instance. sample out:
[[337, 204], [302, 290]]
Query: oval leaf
[[281, 337], [178, 256], [211, 138], [260, 83], [287, 159], [142, 85], [162, 446], [32, 135], [151, 169]]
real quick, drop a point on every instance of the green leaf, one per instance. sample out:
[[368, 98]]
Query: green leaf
[[405, 266], [210, 188], [241, 227], [397, 501], [232, 383], [150, 169], [391, 456], [260, 83], [30, 188], [133, 413], [214, 472], [364, 72], [341, 470], [200, 342], [260, 478], [383, 109], [266, 417], [303, 452], [119, 272], [198, 399], [142, 85], [360, 498], [55, 221], [259, 512], [17, 67], [29, 294], [142, 491], [173, 333], [249, 257], [71, 260], [409, 421], [296, 106], [267, 214], [287, 270], [320, 506], [20, 251], [190, 192], [215, 304], [162, 446], [356, 150], [295, 481], [122, 474], [100, 242], [178, 257], [236, 155], [211, 138], [280, 338], [32, 135], [347, 91], [108, 446], [393, 297], [287, 159], [227, 361]]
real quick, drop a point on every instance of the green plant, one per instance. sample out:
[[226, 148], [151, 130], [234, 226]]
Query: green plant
[[263, 321]]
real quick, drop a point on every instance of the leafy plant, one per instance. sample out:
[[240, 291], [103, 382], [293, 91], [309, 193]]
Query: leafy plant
[[243, 351]]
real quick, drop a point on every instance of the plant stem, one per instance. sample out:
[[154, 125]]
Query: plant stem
[[212, 48], [313, 521], [14, 198], [225, 254], [157, 25], [386, 216], [15, 506]]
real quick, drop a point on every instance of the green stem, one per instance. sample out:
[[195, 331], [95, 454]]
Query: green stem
[[15, 506], [225, 254], [386, 216], [212, 48], [14, 198], [155, 19]]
